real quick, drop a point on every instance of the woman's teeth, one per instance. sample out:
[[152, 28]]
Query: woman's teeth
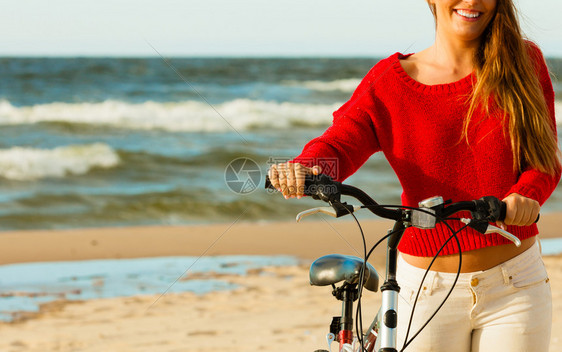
[[468, 14]]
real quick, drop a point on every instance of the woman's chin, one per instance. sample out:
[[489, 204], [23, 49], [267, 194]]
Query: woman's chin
[[467, 35]]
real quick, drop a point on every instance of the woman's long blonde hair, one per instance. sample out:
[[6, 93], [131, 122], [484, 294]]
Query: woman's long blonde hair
[[506, 73]]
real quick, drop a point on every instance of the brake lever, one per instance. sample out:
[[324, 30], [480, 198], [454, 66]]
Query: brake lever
[[504, 233], [325, 210], [500, 231]]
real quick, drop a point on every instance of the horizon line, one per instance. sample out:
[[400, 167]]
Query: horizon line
[[209, 56]]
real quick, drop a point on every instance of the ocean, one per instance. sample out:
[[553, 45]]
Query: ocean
[[97, 142]]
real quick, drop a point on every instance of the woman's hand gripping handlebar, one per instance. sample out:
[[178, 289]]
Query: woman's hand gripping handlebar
[[484, 211], [322, 187], [289, 178]]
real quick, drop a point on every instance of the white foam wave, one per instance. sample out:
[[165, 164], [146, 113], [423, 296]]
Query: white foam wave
[[343, 85], [22, 164], [189, 116], [193, 116]]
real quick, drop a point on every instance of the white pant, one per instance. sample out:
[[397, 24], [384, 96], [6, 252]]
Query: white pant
[[507, 308]]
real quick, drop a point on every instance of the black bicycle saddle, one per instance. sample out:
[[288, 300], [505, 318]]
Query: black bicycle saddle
[[333, 268]]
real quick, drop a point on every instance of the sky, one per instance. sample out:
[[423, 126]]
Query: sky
[[239, 28]]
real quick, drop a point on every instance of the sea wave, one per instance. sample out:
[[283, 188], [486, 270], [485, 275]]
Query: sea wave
[[342, 85], [22, 164], [188, 116], [174, 206]]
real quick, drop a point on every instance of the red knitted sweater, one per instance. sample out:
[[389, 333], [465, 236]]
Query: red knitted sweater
[[418, 128]]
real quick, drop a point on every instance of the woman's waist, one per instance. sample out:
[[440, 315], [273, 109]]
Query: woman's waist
[[442, 240], [473, 260]]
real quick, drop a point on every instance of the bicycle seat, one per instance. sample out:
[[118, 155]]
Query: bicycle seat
[[333, 268]]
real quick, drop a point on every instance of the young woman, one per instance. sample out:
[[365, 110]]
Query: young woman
[[470, 116]]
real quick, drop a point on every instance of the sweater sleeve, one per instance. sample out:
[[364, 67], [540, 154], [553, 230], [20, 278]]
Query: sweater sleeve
[[351, 139], [533, 183]]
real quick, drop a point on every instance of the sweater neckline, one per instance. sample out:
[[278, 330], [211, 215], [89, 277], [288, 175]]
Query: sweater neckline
[[462, 84]]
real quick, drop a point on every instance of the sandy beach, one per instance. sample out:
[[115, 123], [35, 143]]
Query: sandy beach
[[273, 308]]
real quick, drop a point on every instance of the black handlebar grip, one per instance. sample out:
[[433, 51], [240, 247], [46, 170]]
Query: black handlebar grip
[[307, 182], [268, 184], [503, 213], [318, 186]]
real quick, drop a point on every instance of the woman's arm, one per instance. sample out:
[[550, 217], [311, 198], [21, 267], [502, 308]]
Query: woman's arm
[[340, 150]]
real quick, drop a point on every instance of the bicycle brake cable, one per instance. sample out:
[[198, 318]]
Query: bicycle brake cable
[[358, 313], [358, 316], [453, 235]]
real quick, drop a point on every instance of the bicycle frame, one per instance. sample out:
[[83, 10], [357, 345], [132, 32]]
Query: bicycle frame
[[385, 324], [383, 330]]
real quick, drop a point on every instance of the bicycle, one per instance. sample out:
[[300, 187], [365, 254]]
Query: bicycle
[[355, 273]]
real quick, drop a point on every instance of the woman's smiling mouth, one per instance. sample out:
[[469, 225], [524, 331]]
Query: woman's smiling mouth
[[468, 15]]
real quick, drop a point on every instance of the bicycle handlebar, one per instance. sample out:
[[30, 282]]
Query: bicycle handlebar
[[322, 187]]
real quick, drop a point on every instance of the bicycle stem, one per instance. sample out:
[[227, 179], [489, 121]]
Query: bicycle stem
[[390, 290]]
